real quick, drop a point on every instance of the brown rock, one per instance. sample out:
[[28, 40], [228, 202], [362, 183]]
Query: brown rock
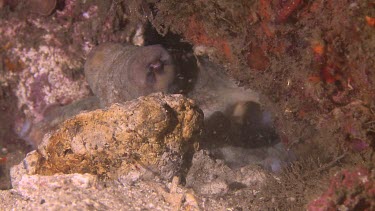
[[153, 132]]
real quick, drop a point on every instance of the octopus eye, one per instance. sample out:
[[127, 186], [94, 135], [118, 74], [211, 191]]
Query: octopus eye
[[157, 67], [154, 68]]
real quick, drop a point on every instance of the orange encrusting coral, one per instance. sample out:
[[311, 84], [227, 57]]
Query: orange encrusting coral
[[308, 10], [328, 74], [314, 79], [370, 21], [256, 59], [3, 160], [265, 10], [198, 35], [288, 9], [13, 66], [318, 49], [281, 13]]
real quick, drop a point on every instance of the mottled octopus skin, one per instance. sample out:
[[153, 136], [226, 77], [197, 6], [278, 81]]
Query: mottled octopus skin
[[121, 72]]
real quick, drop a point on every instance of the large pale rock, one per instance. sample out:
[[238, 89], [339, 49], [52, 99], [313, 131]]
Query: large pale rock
[[31, 184], [28, 166], [208, 176], [79, 192], [153, 132]]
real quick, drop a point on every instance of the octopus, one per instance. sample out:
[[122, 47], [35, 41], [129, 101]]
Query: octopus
[[121, 72]]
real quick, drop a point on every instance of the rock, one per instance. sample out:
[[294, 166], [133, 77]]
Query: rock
[[28, 166], [79, 192], [273, 158], [31, 184], [208, 176], [153, 132], [349, 189]]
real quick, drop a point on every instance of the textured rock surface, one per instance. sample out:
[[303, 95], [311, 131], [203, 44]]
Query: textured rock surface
[[348, 190], [43, 82], [208, 176], [151, 135], [79, 192], [153, 132]]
